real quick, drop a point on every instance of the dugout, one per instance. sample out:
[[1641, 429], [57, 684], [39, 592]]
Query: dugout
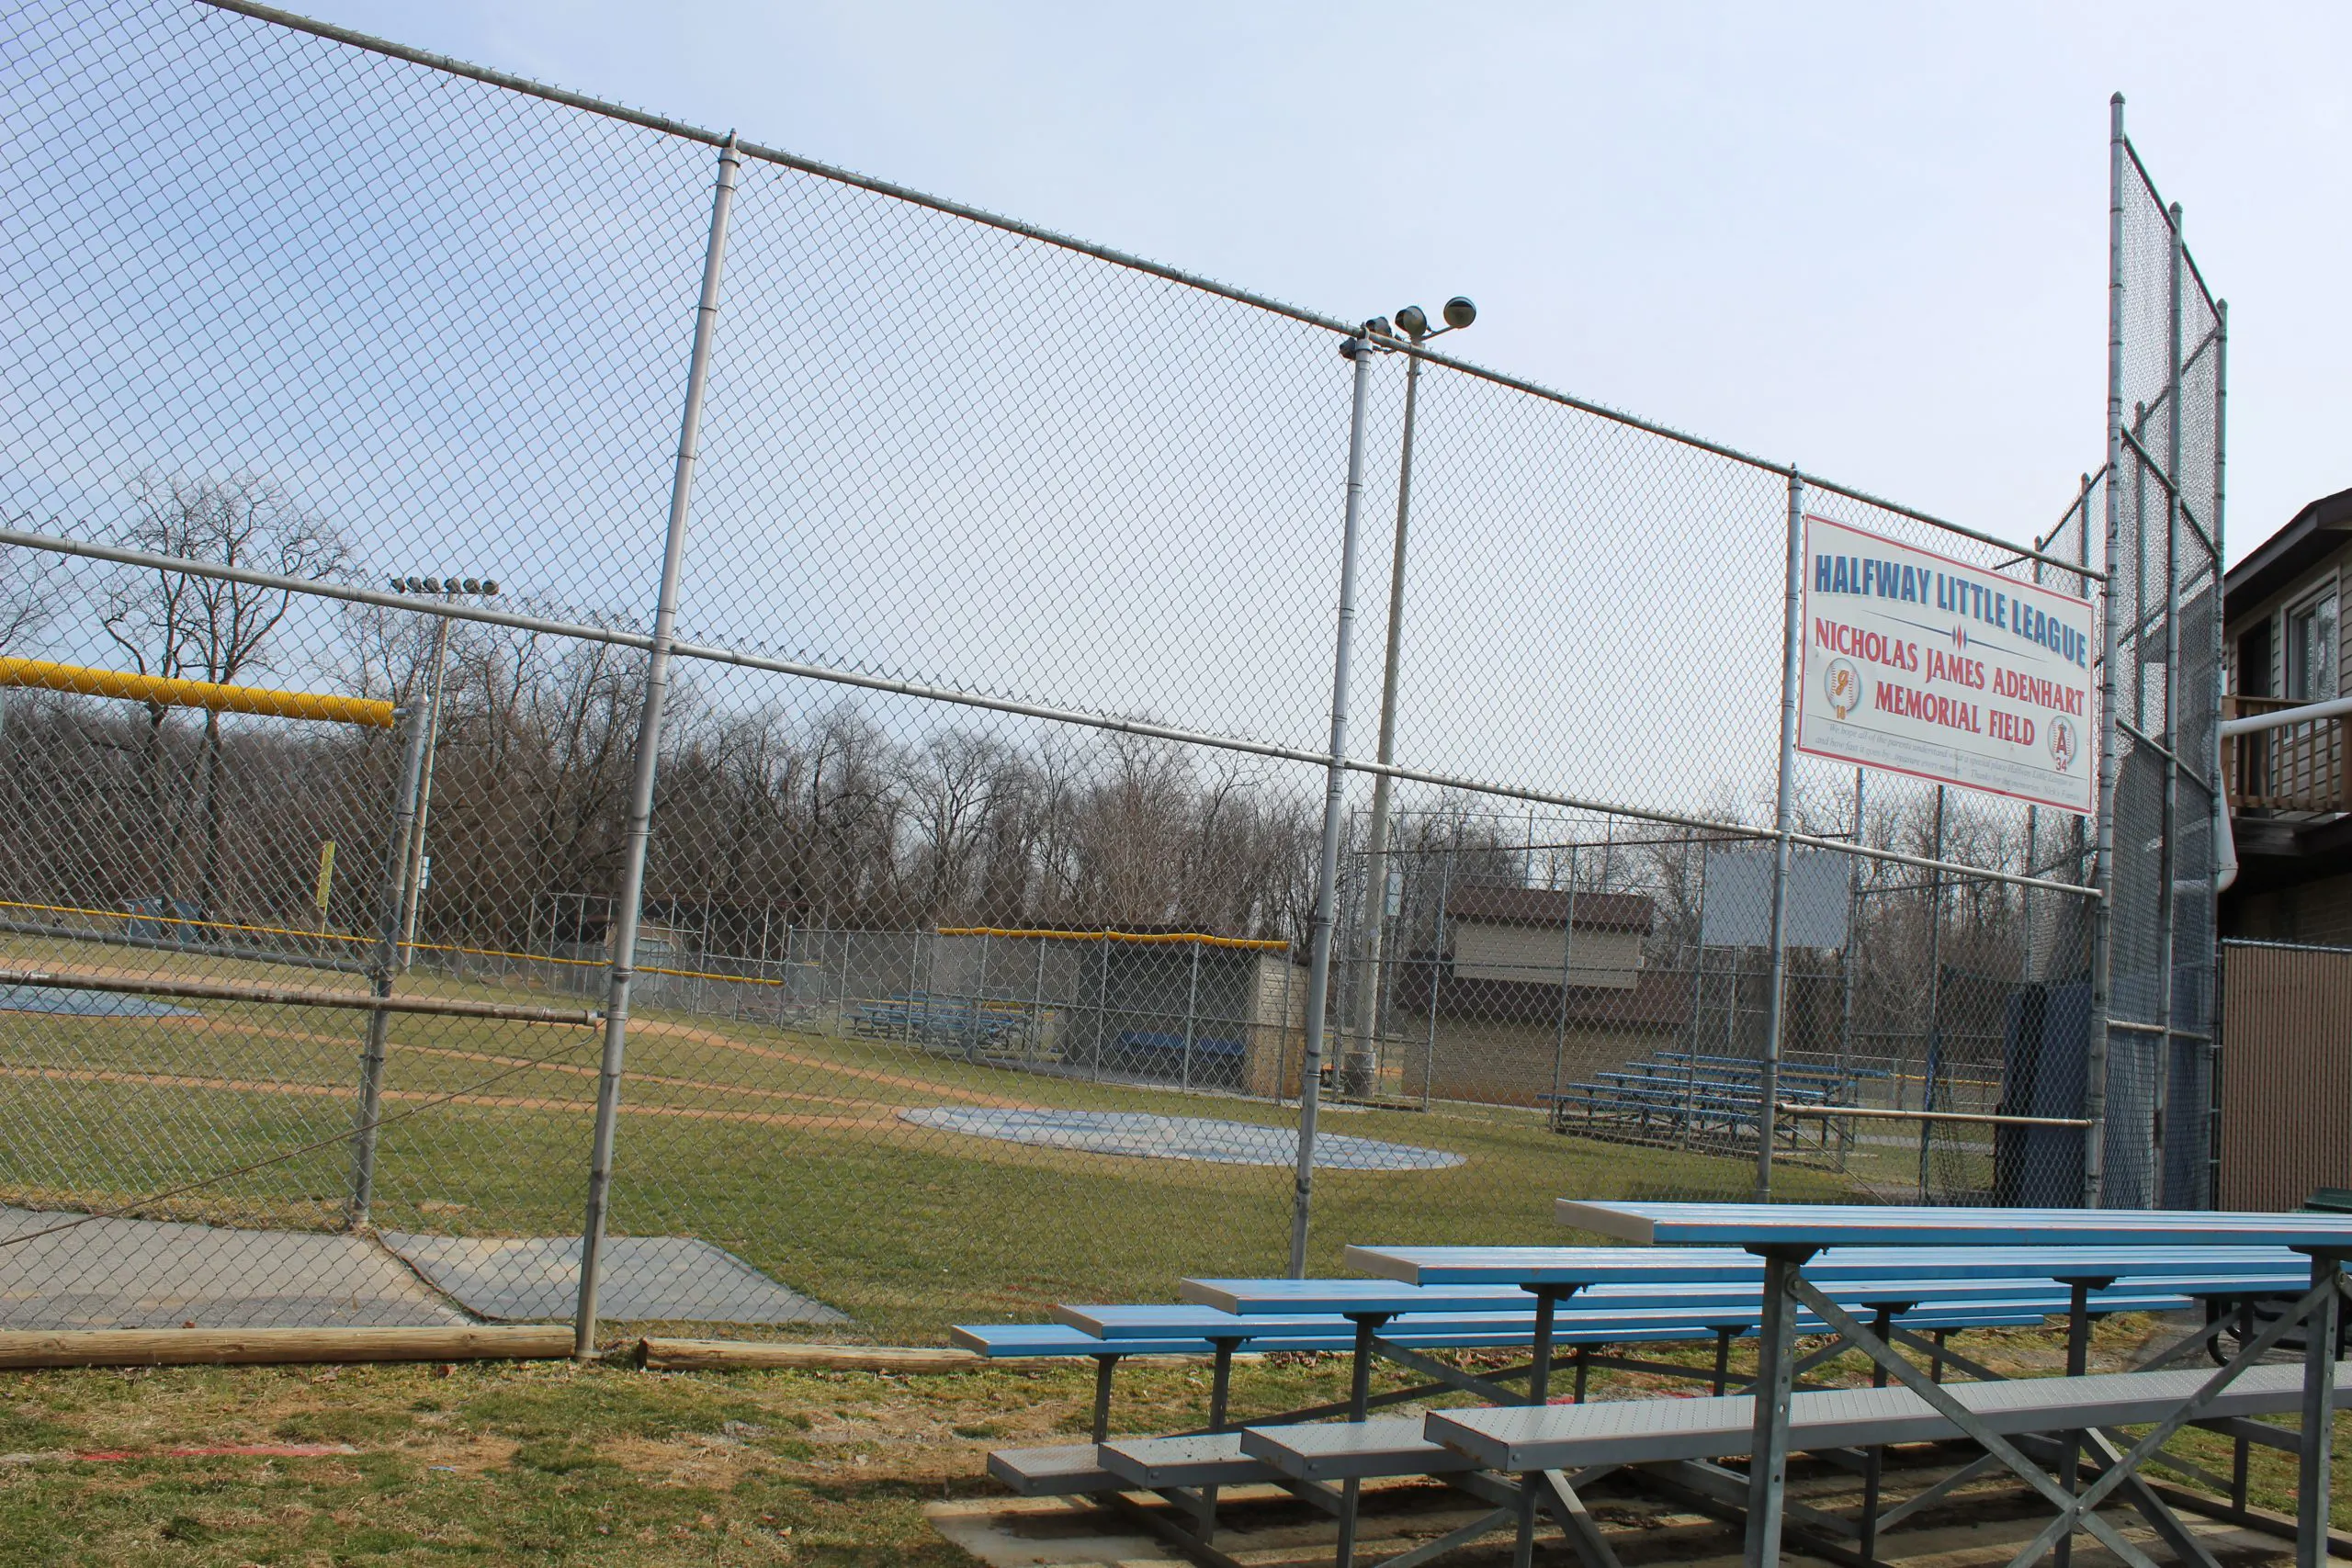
[[1186, 1008]]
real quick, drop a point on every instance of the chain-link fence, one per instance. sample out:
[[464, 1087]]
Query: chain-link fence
[[873, 811], [2160, 497]]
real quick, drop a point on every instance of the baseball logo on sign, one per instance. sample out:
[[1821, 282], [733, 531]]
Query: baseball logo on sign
[[1842, 684]]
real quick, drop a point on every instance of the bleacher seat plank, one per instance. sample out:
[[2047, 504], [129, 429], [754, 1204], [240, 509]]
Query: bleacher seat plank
[[1519, 1265], [1521, 1438], [1208, 1458], [1067, 1470], [1361, 1450], [1861, 1224]]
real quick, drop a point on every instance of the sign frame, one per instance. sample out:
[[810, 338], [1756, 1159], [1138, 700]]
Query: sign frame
[[1964, 629]]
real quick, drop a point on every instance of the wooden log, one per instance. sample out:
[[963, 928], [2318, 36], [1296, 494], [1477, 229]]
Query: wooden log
[[715, 1355], [262, 1346], [745, 1355]]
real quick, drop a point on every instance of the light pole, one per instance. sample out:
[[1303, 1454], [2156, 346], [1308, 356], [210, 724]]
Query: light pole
[[413, 874], [1360, 1071]]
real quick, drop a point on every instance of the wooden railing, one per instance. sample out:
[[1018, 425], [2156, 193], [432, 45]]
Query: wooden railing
[[2296, 767]]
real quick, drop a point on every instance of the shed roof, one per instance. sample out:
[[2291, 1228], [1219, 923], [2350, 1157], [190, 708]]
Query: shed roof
[[1658, 999], [1551, 906], [2316, 531]]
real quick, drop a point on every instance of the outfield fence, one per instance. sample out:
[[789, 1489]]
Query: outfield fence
[[935, 767]]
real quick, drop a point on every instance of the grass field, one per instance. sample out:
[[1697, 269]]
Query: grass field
[[783, 1145], [548, 1463]]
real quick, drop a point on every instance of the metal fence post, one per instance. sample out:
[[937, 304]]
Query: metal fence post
[[1192, 1007], [1846, 974], [1375, 883], [2103, 856], [1783, 823], [1036, 1046], [1568, 963], [415, 866], [914, 981], [387, 934], [980, 1034], [1102, 1004], [1437, 970], [1327, 872], [1931, 1048], [627, 908], [2168, 852], [2214, 1043]]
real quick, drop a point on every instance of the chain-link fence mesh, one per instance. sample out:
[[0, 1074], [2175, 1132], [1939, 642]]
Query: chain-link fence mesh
[[2161, 504], [973, 964]]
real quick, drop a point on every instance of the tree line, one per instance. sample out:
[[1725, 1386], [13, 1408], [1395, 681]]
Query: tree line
[[771, 812]]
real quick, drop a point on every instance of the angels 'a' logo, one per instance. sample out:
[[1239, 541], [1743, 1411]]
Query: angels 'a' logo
[[2062, 744], [1842, 684]]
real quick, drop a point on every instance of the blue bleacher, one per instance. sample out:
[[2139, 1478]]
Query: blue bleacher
[[958, 1023], [1671, 1096]]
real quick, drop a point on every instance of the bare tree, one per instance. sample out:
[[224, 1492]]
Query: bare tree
[[28, 596], [184, 627]]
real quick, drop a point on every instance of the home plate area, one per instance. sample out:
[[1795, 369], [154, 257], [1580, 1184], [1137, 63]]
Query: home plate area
[[1145, 1136]]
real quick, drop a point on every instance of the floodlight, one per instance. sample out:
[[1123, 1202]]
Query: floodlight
[[433, 585], [490, 587], [1413, 322], [1460, 312], [473, 586]]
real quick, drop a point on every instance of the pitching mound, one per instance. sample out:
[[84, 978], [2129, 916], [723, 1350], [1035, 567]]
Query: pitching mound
[[1176, 1137]]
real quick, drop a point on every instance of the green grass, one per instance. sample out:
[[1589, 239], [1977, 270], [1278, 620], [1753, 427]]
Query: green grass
[[780, 1146], [547, 1463]]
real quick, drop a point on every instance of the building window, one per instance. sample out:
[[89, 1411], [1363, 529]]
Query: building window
[[2253, 675], [2311, 649]]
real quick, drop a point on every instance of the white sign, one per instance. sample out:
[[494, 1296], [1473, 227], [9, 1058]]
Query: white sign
[[1924, 665], [1736, 908]]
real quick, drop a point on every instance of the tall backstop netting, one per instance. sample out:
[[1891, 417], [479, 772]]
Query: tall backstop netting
[[605, 723]]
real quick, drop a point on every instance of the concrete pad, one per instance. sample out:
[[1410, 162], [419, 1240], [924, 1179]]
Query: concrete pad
[[1042, 1532], [85, 1003], [667, 1278], [117, 1273], [1277, 1532]]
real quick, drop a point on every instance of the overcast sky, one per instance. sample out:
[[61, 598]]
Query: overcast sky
[[1868, 239]]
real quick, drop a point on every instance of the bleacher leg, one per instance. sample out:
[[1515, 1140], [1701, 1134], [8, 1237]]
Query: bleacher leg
[[1221, 1382], [1873, 1458], [1103, 1367], [1583, 1370], [2078, 1354], [1539, 1392], [1358, 1407], [2313, 1479], [1936, 1361], [1768, 1462], [1220, 1400], [1722, 1359]]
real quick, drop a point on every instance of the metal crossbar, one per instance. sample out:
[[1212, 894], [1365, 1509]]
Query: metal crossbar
[[617, 638], [1764, 1535], [2317, 1305], [296, 996]]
